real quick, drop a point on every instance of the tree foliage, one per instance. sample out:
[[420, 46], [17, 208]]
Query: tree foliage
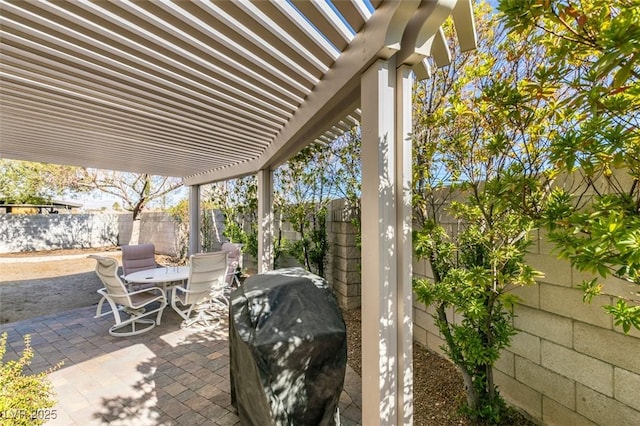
[[25, 182], [481, 139], [28, 182], [303, 186], [304, 190], [180, 214], [345, 171], [592, 47], [237, 199]]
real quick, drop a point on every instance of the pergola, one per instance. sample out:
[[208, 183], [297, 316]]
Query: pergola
[[212, 90]]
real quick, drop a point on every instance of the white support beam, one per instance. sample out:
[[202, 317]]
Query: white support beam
[[379, 343], [386, 245], [194, 219], [265, 216], [404, 215]]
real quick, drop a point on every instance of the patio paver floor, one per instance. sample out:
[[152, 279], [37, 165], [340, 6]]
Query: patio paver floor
[[167, 376]]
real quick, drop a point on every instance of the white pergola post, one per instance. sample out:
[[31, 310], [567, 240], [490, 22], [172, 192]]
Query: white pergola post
[[194, 219], [404, 220], [387, 389], [265, 217]]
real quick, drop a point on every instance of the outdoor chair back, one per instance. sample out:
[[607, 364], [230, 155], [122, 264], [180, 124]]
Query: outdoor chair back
[[138, 258], [234, 262], [204, 289]]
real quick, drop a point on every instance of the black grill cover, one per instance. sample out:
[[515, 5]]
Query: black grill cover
[[288, 348]]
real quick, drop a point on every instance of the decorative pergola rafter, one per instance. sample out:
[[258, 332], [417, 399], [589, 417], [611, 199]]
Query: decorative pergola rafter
[[251, 81]]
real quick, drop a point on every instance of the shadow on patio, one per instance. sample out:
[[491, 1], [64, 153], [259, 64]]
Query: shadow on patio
[[167, 376]]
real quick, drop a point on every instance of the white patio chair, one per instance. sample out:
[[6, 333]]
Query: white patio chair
[[234, 262], [116, 293], [203, 293]]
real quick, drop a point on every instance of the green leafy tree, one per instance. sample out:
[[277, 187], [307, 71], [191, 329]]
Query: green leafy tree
[[345, 173], [592, 47], [305, 191], [180, 214], [238, 201], [481, 140], [34, 183]]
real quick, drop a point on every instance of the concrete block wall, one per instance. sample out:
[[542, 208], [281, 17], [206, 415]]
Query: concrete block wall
[[344, 259], [51, 232], [568, 364], [39, 232], [155, 227]]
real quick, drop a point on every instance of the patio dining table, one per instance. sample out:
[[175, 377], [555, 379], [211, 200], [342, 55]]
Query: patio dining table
[[167, 276]]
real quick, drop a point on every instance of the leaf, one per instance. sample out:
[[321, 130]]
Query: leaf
[[590, 289], [622, 75]]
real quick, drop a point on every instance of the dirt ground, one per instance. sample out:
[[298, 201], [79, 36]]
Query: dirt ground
[[38, 283], [34, 284]]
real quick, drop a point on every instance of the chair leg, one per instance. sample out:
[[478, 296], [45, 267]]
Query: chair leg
[[160, 311], [99, 307], [137, 321], [113, 330], [202, 320], [115, 310]]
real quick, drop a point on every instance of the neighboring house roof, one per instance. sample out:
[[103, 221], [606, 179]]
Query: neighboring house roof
[[52, 207]]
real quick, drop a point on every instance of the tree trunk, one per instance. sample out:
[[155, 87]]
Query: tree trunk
[[305, 249], [490, 386], [135, 232], [457, 358], [490, 344], [472, 394]]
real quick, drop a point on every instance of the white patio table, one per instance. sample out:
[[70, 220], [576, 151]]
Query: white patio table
[[166, 276]]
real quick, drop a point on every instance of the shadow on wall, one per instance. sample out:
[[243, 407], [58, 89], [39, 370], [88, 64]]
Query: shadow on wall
[[50, 232]]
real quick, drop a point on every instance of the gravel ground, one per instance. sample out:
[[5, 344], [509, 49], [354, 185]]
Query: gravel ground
[[72, 283], [438, 390], [437, 386]]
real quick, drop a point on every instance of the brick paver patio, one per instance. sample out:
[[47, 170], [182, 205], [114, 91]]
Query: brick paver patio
[[167, 376]]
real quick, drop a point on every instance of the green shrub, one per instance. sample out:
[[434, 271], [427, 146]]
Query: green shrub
[[24, 399]]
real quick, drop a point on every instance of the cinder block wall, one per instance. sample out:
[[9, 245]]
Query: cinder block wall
[[36, 232], [50, 232], [568, 364], [158, 228], [344, 257]]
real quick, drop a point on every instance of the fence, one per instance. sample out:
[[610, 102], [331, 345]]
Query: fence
[[47, 232], [68, 231], [50, 232], [568, 364]]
